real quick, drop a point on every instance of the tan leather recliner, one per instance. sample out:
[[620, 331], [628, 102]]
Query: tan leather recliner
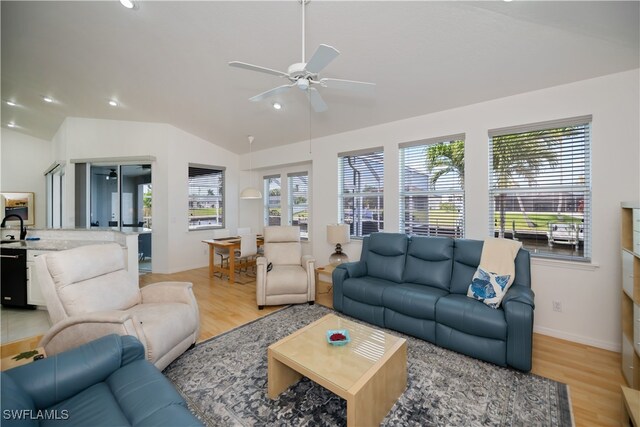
[[292, 278], [90, 294]]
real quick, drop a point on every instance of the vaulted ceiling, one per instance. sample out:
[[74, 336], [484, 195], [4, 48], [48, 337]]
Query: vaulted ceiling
[[167, 61]]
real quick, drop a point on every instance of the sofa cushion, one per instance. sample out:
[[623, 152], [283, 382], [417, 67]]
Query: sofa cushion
[[429, 261], [414, 300], [471, 316], [466, 259], [489, 288], [386, 256], [95, 406], [286, 279], [366, 289], [132, 385], [92, 278]]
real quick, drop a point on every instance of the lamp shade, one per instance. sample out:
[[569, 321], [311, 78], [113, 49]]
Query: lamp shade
[[338, 234], [250, 193]]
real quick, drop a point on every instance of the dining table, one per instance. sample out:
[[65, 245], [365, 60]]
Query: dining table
[[231, 244]]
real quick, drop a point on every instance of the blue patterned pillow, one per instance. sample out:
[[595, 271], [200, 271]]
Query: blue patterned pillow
[[488, 287]]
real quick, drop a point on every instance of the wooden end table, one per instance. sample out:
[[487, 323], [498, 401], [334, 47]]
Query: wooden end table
[[323, 287], [13, 360], [370, 372]]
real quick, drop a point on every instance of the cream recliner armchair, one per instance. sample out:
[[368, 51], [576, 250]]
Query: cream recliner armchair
[[90, 294], [292, 279]]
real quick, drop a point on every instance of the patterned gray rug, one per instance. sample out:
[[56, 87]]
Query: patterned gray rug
[[224, 381]]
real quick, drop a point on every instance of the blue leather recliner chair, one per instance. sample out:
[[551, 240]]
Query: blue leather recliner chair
[[106, 382], [418, 285]]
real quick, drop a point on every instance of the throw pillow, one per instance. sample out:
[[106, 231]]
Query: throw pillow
[[488, 287]]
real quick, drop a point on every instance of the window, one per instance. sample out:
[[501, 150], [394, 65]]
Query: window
[[540, 187], [361, 181], [272, 196], [299, 202], [432, 187], [206, 197]]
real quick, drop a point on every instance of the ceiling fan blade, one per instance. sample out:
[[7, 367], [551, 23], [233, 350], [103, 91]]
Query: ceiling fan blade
[[271, 92], [252, 67], [323, 55], [317, 103], [347, 85]]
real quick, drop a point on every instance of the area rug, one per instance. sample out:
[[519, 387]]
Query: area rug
[[224, 381]]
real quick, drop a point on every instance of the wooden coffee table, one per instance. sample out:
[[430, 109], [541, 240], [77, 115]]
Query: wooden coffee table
[[370, 372]]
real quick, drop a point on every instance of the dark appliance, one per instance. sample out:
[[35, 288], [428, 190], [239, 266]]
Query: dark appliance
[[13, 274]]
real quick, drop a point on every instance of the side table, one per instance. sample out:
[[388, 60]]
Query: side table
[[22, 358], [323, 286]]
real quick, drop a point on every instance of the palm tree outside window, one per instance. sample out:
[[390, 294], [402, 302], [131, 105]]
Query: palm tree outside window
[[540, 187], [432, 187]]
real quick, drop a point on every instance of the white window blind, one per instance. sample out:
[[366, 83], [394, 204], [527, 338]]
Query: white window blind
[[540, 187], [272, 200], [299, 202], [432, 187], [361, 192], [206, 197]]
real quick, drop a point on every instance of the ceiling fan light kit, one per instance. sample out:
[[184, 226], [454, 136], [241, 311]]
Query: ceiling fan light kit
[[304, 74]]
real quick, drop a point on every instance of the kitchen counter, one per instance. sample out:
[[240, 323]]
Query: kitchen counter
[[51, 245]]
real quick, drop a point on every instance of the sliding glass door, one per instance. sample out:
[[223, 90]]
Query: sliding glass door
[[120, 196]]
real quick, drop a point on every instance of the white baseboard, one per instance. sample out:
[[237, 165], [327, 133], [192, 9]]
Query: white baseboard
[[606, 345]]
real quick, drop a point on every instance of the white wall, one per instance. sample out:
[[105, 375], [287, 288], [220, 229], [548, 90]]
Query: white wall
[[24, 160], [174, 248], [590, 294]]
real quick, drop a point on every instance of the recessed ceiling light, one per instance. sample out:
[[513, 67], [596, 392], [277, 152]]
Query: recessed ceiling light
[[11, 103], [113, 103], [277, 105], [47, 99], [129, 4], [11, 124]]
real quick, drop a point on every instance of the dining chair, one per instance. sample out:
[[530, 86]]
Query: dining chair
[[222, 253], [248, 250]]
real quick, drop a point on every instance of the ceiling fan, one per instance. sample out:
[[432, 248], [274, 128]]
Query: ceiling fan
[[304, 74], [111, 175]]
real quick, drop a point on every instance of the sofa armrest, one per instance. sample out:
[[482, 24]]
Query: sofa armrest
[[78, 330], [56, 378], [308, 262], [518, 305], [521, 294], [261, 280], [341, 273], [354, 269]]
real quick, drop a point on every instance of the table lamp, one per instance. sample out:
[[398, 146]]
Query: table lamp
[[337, 234]]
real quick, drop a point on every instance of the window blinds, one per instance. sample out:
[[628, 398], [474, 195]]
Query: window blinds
[[299, 201], [272, 204], [432, 187], [540, 188], [361, 192], [206, 197]]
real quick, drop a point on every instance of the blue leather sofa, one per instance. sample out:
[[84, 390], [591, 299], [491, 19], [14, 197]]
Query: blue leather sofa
[[418, 285], [106, 382]]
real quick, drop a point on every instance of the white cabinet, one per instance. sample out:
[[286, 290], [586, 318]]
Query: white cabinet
[[34, 294]]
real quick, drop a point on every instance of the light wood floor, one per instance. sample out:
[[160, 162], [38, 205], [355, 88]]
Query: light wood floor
[[592, 374]]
